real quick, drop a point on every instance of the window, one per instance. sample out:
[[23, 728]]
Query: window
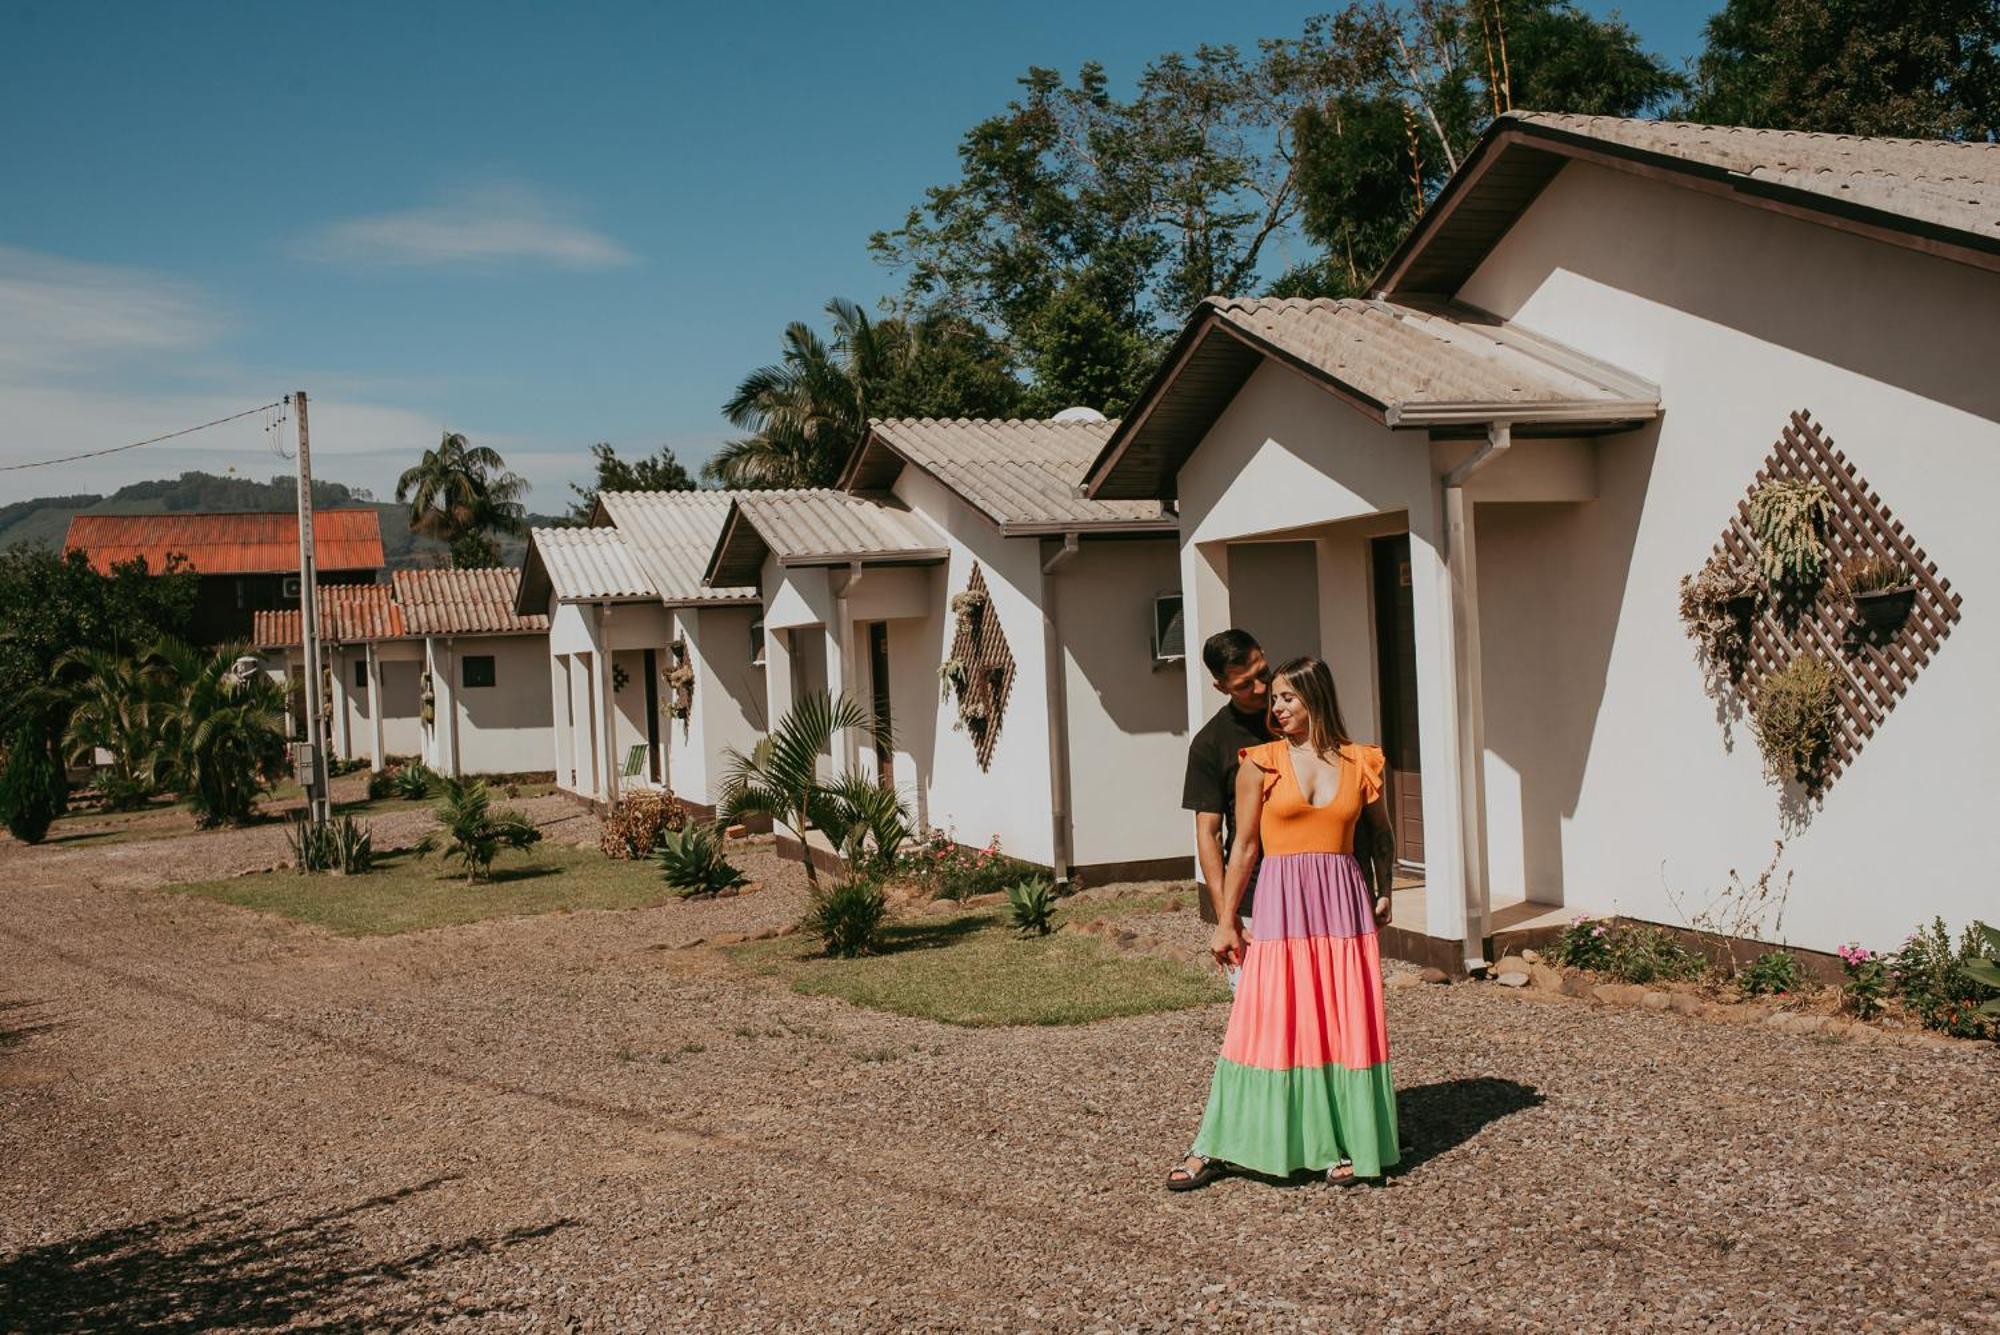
[[360, 674], [757, 643], [476, 671], [289, 589], [1169, 631]]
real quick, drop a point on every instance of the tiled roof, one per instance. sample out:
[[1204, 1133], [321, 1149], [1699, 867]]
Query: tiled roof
[[348, 614], [671, 535], [1020, 474], [229, 544], [1940, 196], [463, 602], [583, 565], [1950, 183], [818, 527], [1406, 365]]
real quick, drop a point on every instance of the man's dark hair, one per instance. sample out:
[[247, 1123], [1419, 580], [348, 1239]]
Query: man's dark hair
[[1227, 649]]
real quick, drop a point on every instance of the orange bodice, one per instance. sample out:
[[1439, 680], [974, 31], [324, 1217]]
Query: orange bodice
[[1290, 824]]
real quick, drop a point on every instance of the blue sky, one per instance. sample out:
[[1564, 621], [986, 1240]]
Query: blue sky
[[542, 225]]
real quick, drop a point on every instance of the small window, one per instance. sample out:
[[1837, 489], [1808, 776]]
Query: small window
[[757, 643], [289, 590], [360, 674], [1169, 631], [477, 671]]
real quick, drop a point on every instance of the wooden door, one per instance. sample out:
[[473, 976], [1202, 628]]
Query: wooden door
[[1396, 662], [878, 681]]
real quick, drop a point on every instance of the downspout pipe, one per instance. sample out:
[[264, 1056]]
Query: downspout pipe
[[1062, 841], [850, 743], [1461, 561]]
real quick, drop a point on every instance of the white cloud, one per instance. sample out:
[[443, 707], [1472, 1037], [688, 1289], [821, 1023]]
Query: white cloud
[[59, 315], [481, 226]]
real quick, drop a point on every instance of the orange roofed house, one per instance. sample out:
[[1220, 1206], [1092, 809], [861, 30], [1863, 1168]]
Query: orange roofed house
[[248, 563]]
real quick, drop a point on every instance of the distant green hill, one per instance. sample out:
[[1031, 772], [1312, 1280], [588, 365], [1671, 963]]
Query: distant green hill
[[44, 521]]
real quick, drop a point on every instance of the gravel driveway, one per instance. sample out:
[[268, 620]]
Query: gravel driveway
[[212, 1118]]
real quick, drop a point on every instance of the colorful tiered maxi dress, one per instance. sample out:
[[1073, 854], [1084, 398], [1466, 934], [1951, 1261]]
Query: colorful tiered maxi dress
[[1303, 1081]]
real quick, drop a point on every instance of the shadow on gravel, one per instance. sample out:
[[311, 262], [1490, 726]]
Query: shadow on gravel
[[233, 1266], [19, 1022], [1435, 1118]]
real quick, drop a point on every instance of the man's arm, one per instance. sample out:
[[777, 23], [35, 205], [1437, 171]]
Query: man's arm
[[1208, 856]]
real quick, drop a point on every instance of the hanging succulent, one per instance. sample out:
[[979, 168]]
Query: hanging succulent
[[1789, 518], [680, 689], [426, 699], [1797, 713], [952, 678], [1718, 605]]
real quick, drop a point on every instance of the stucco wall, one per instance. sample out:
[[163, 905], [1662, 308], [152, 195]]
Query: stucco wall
[[505, 728], [729, 703], [1127, 716], [1627, 784]]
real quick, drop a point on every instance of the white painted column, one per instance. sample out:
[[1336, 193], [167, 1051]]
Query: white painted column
[[444, 687], [1204, 611], [1446, 885], [778, 683], [610, 762], [583, 728], [377, 761], [343, 731], [839, 681], [559, 718]]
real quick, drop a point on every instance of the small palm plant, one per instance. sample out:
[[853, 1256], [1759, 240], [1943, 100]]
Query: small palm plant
[[472, 831], [847, 918], [780, 779], [223, 729], [692, 861], [1032, 903], [872, 822]]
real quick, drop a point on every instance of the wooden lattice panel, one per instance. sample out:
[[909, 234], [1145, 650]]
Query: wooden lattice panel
[[989, 668], [1870, 672]]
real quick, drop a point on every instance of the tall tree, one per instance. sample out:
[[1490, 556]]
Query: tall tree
[[809, 410], [656, 472], [461, 493], [1927, 69]]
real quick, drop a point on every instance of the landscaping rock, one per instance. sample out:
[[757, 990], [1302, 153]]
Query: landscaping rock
[[1542, 977], [1513, 977], [1510, 964], [1532, 956], [1399, 981], [1619, 994], [1125, 938], [1576, 985], [984, 901], [1686, 1003], [1655, 1001]]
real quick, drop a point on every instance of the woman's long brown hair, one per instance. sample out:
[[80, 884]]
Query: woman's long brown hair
[[1312, 681]]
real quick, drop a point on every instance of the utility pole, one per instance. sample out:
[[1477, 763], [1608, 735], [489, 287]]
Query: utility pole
[[319, 806]]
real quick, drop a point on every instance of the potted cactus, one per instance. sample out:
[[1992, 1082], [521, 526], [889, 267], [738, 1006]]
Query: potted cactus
[[1882, 591]]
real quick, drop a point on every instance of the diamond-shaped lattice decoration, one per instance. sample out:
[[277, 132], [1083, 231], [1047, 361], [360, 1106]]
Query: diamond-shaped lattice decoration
[[1871, 671], [989, 668]]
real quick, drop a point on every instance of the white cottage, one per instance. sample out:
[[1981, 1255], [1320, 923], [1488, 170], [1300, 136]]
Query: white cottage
[[450, 634], [962, 549], [1476, 491]]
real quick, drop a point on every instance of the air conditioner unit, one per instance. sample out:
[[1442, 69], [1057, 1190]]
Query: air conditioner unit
[[291, 588], [1169, 630]]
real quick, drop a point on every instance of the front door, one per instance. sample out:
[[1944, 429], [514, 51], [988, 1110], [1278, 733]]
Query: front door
[[878, 679], [1396, 664]]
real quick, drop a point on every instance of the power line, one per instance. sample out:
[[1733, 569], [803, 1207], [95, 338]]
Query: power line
[[120, 449]]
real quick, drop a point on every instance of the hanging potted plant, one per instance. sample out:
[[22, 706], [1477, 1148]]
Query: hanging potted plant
[[968, 607], [1797, 714], [952, 678], [1881, 589], [972, 713], [1718, 606], [1789, 516], [427, 700]]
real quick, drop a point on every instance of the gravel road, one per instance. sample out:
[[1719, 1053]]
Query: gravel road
[[211, 1118]]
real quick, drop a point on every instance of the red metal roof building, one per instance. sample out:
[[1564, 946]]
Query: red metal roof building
[[229, 544]]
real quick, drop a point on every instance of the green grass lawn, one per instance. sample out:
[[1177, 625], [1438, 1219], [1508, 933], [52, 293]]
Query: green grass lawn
[[406, 893], [972, 969]]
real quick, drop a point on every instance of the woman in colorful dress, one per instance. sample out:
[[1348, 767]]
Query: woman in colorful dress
[[1303, 1081]]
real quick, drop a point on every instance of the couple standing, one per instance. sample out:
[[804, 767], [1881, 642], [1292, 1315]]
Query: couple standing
[[1279, 790]]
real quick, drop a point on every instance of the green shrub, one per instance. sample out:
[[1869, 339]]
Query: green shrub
[[631, 830], [414, 782], [1645, 954], [472, 831], [1984, 968], [381, 784], [847, 918], [945, 869], [1032, 903], [344, 847], [31, 785], [692, 861], [1867, 981], [1772, 973], [1584, 944], [337, 768], [1934, 978]]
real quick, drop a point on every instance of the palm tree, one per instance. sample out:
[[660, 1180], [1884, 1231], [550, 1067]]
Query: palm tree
[[780, 777], [118, 705], [473, 832], [460, 490], [223, 728]]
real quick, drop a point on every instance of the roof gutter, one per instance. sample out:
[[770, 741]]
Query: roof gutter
[[1061, 836]]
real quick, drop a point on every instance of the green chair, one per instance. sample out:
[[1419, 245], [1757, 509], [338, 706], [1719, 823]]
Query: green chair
[[635, 760]]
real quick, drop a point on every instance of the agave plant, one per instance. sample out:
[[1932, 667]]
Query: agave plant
[[780, 779], [692, 861], [414, 782], [471, 830], [1032, 904], [1984, 968], [344, 847]]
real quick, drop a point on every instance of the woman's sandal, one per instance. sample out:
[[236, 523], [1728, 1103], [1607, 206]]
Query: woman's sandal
[[1183, 1178], [1342, 1175]]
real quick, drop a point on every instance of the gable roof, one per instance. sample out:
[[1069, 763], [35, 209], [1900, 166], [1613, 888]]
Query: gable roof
[[1406, 365], [348, 614], [229, 544], [1933, 195], [671, 535], [580, 565], [819, 527], [1021, 474], [463, 602]]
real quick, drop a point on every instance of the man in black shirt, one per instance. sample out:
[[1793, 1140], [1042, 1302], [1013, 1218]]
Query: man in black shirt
[[1236, 664]]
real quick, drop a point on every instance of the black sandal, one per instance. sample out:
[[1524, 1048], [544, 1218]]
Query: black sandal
[[1195, 1179]]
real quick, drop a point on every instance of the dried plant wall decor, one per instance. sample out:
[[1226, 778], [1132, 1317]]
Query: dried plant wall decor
[[1820, 666], [980, 668]]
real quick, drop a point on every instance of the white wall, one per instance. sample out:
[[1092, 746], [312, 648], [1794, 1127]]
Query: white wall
[[507, 728], [1626, 783], [1127, 717], [729, 700]]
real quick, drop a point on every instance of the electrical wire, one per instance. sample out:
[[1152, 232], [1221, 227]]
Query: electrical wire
[[120, 449]]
